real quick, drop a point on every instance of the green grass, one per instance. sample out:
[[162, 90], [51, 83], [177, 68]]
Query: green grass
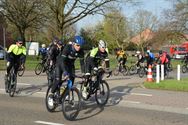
[[170, 84], [32, 61]]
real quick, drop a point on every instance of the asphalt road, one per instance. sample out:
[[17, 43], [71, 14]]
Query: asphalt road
[[129, 104]]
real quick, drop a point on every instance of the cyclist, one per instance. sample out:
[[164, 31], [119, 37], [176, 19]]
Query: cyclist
[[95, 56], [150, 58], [53, 52], [121, 56], [65, 61], [162, 59], [140, 59], [16, 55], [93, 60], [43, 52]]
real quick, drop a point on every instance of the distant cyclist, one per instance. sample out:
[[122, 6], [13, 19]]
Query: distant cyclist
[[121, 56], [65, 61], [140, 58], [55, 48], [43, 52], [16, 56]]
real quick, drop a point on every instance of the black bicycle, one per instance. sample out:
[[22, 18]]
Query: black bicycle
[[67, 96], [95, 85], [124, 69], [11, 82], [42, 66], [184, 68], [21, 70]]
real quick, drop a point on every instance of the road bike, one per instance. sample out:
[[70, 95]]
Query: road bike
[[21, 70], [67, 96], [11, 82], [124, 69], [95, 85], [42, 66]]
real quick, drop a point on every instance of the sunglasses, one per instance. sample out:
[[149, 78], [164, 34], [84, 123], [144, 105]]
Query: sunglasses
[[20, 43], [77, 45]]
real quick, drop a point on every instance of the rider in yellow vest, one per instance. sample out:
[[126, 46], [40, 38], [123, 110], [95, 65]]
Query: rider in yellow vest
[[121, 56], [16, 55]]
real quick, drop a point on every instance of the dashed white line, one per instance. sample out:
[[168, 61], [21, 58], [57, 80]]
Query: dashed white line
[[134, 102], [186, 108], [47, 123], [141, 94], [24, 84]]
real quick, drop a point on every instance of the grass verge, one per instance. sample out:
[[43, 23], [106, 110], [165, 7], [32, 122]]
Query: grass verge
[[169, 84]]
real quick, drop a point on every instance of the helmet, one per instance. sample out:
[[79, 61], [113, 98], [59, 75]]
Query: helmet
[[78, 40], [60, 43], [160, 51], [137, 52], [102, 44], [148, 51], [43, 45], [19, 39]]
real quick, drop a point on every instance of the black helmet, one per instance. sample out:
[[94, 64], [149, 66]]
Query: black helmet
[[160, 51]]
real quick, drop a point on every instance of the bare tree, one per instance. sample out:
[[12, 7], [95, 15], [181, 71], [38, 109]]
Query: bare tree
[[68, 12], [143, 23], [23, 14]]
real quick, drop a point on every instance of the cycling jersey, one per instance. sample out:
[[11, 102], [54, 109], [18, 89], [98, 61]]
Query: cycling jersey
[[94, 58], [65, 64], [121, 54], [16, 56], [17, 50]]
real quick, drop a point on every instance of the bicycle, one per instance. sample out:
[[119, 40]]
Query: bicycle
[[184, 67], [42, 66], [134, 69], [120, 68], [96, 85], [21, 70], [11, 82], [67, 96]]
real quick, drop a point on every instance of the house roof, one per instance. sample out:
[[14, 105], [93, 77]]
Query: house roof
[[145, 35]]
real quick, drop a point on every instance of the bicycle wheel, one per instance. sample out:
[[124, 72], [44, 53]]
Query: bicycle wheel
[[71, 104], [170, 68], [125, 70], [102, 94], [133, 70], [116, 71], [141, 72], [21, 71], [12, 84], [39, 68], [184, 69], [50, 103]]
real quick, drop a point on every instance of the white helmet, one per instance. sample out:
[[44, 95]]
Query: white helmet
[[43, 45], [137, 52], [102, 44]]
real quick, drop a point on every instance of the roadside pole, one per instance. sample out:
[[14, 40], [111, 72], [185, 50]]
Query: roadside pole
[[157, 74], [162, 72], [178, 72]]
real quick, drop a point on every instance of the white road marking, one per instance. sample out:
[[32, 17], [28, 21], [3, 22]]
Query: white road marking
[[41, 92], [134, 102], [115, 91], [24, 84], [2, 89], [47, 123], [187, 108], [141, 94]]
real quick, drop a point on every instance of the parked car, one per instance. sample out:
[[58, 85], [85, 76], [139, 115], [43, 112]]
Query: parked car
[[2, 52]]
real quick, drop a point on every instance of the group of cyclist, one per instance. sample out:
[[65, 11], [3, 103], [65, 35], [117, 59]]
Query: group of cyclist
[[161, 58], [60, 57]]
